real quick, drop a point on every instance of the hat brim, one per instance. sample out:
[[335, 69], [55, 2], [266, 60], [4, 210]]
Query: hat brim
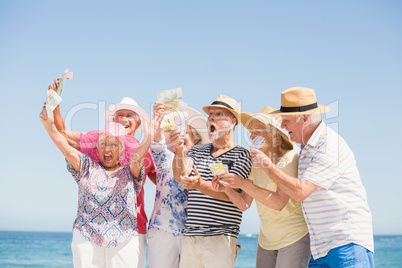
[[89, 140], [199, 123], [236, 114], [109, 113], [321, 109], [246, 118]]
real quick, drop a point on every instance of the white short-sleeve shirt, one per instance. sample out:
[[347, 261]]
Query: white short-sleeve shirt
[[337, 213]]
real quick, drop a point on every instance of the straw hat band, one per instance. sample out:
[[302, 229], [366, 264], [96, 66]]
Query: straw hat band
[[225, 102], [222, 103], [299, 108], [299, 100]]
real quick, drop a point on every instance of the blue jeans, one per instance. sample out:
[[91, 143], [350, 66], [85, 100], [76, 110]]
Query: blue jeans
[[347, 256]]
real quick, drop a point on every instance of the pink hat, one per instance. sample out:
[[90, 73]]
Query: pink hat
[[89, 140]]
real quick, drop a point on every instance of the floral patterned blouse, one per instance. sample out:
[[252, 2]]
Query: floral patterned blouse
[[170, 208], [107, 207]]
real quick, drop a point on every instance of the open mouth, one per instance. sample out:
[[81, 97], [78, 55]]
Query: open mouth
[[108, 158], [212, 128]]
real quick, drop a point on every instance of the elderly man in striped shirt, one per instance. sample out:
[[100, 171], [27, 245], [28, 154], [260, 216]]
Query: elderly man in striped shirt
[[213, 221], [329, 187]]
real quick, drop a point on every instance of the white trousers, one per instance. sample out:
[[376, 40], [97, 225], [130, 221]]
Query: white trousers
[[143, 250], [163, 249], [89, 254]]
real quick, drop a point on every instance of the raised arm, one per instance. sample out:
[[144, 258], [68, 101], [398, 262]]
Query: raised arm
[[158, 114], [181, 165], [71, 135], [137, 159], [161, 156], [59, 140]]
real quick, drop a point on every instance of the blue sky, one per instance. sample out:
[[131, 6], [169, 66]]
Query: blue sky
[[348, 51]]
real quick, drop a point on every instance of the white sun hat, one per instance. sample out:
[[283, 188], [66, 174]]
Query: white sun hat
[[199, 123], [126, 104]]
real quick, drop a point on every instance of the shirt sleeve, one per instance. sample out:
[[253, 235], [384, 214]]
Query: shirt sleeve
[[323, 168], [191, 154], [161, 156], [85, 163], [242, 165]]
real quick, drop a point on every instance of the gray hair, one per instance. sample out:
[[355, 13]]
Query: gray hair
[[196, 135]]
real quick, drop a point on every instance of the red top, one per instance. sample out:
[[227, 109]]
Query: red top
[[141, 216]]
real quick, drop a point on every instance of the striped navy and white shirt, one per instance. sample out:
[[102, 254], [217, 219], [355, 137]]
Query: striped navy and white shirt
[[207, 216], [337, 213]]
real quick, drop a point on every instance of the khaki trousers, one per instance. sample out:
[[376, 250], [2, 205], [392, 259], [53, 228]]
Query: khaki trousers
[[209, 251]]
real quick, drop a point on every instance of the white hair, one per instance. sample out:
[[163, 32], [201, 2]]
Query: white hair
[[122, 147], [196, 135], [315, 118]]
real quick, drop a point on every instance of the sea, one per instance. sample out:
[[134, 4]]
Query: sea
[[47, 249]]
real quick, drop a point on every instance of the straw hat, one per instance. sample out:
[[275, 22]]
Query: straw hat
[[199, 123], [265, 117], [88, 142], [126, 104], [299, 100], [227, 103]]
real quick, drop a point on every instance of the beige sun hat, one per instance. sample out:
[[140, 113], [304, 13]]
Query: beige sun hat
[[265, 117], [126, 104], [227, 103], [299, 100], [199, 123]]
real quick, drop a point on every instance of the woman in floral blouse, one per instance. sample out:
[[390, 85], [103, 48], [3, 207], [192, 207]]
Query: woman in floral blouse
[[169, 215], [104, 232]]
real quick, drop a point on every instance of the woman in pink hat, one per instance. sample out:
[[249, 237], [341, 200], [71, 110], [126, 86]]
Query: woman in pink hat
[[131, 117], [105, 232]]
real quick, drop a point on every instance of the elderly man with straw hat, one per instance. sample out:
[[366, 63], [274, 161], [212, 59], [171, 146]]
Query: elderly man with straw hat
[[328, 185], [213, 221], [283, 240]]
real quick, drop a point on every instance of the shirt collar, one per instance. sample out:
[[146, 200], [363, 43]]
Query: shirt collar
[[317, 134]]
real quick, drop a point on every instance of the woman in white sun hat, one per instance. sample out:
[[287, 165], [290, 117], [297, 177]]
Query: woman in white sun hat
[[283, 240]]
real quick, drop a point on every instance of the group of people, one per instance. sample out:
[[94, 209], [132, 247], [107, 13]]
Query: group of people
[[311, 202]]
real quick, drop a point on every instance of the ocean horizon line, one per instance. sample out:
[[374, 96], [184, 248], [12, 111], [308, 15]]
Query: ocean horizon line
[[66, 232]]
